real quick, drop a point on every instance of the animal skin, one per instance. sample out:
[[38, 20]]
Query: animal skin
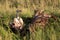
[[39, 18]]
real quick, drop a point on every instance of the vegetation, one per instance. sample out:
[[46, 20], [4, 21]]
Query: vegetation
[[8, 11]]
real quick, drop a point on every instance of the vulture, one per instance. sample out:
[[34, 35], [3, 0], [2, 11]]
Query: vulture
[[17, 23]]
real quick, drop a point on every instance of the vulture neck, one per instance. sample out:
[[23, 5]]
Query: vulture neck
[[17, 16]]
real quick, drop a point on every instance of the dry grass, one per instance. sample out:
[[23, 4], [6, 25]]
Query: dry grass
[[50, 32]]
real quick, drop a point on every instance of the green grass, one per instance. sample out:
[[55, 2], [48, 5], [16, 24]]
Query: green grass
[[50, 32]]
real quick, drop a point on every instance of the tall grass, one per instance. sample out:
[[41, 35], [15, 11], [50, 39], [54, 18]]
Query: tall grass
[[8, 8], [50, 32]]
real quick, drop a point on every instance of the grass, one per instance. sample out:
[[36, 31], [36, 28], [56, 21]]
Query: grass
[[50, 32]]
